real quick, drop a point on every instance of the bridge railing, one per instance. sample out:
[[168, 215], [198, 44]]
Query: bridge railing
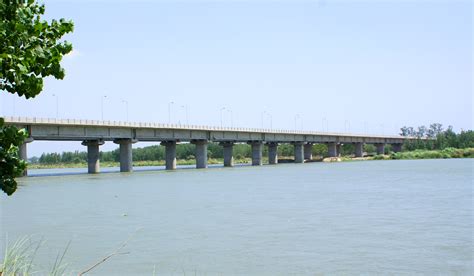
[[154, 125]]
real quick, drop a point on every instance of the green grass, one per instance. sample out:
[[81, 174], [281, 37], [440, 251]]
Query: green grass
[[19, 257], [434, 154]]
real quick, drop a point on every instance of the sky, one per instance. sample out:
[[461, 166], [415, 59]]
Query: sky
[[323, 65]]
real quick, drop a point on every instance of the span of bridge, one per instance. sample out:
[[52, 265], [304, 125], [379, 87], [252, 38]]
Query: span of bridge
[[93, 134]]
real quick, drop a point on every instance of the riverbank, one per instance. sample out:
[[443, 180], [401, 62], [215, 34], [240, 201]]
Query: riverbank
[[416, 154], [410, 155]]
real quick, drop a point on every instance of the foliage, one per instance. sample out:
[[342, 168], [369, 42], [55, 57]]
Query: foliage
[[18, 259], [437, 138], [30, 50], [435, 154], [11, 165]]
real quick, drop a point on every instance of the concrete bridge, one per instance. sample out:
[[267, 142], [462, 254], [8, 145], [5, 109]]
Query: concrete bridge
[[94, 133]]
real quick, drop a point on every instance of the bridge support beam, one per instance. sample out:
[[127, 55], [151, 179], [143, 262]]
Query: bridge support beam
[[257, 150], [380, 148], [93, 162], [272, 153], [396, 147], [308, 151], [332, 149], [359, 149], [228, 153], [299, 153], [125, 149], [23, 153], [338, 150], [201, 153], [170, 154]]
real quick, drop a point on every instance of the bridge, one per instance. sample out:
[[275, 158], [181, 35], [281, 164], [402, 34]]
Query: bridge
[[93, 134]]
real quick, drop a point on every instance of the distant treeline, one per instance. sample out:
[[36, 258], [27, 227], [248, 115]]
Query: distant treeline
[[438, 138], [441, 139], [157, 153]]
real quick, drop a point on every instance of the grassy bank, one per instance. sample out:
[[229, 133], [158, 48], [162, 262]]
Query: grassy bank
[[429, 154]]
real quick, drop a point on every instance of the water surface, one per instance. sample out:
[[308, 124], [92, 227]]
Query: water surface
[[373, 217]]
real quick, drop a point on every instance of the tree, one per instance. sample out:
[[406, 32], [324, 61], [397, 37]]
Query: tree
[[30, 50], [11, 165]]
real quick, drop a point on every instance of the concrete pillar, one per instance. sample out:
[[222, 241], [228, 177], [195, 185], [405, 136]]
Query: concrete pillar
[[93, 163], [299, 153], [396, 147], [272, 153], [257, 150], [23, 153], [228, 153], [338, 150], [380, 148], [170, 154], [201, 154], [308, 151], [126, 164], [332, 151], [359, 149]]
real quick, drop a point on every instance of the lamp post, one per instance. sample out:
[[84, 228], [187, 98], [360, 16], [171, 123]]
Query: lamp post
[[347, 126], [271, 121], [231, 117], [222, 109], [57, 105], [297, 116], [126, 108], [169, 111], [102, 106], [185, 107]]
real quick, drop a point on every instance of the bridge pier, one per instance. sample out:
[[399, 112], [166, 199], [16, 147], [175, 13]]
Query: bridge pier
[[299, 153], [396, 147], [125, 149], [257, 150], [359, 149], [272, 153], [201, 153], [380, 148], [228, 153], [170, 154], [23, 153], [308, 151], [93, 162], [332, 149], [338, 150]]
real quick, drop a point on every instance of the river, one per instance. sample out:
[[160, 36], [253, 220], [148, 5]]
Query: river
[[369, 217]]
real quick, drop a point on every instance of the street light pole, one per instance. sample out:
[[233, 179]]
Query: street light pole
[[296, 117], [57, 105], [222, 109], [102, 106], [169, 111], [271, 121], [187, 118], [126, 108], [231, 117]]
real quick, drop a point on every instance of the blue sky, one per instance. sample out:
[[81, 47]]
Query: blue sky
[[364, 66]]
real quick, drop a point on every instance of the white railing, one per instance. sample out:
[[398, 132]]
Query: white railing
[[82, 122]]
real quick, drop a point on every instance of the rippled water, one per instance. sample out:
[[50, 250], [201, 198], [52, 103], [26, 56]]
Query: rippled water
[[374, 217]]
